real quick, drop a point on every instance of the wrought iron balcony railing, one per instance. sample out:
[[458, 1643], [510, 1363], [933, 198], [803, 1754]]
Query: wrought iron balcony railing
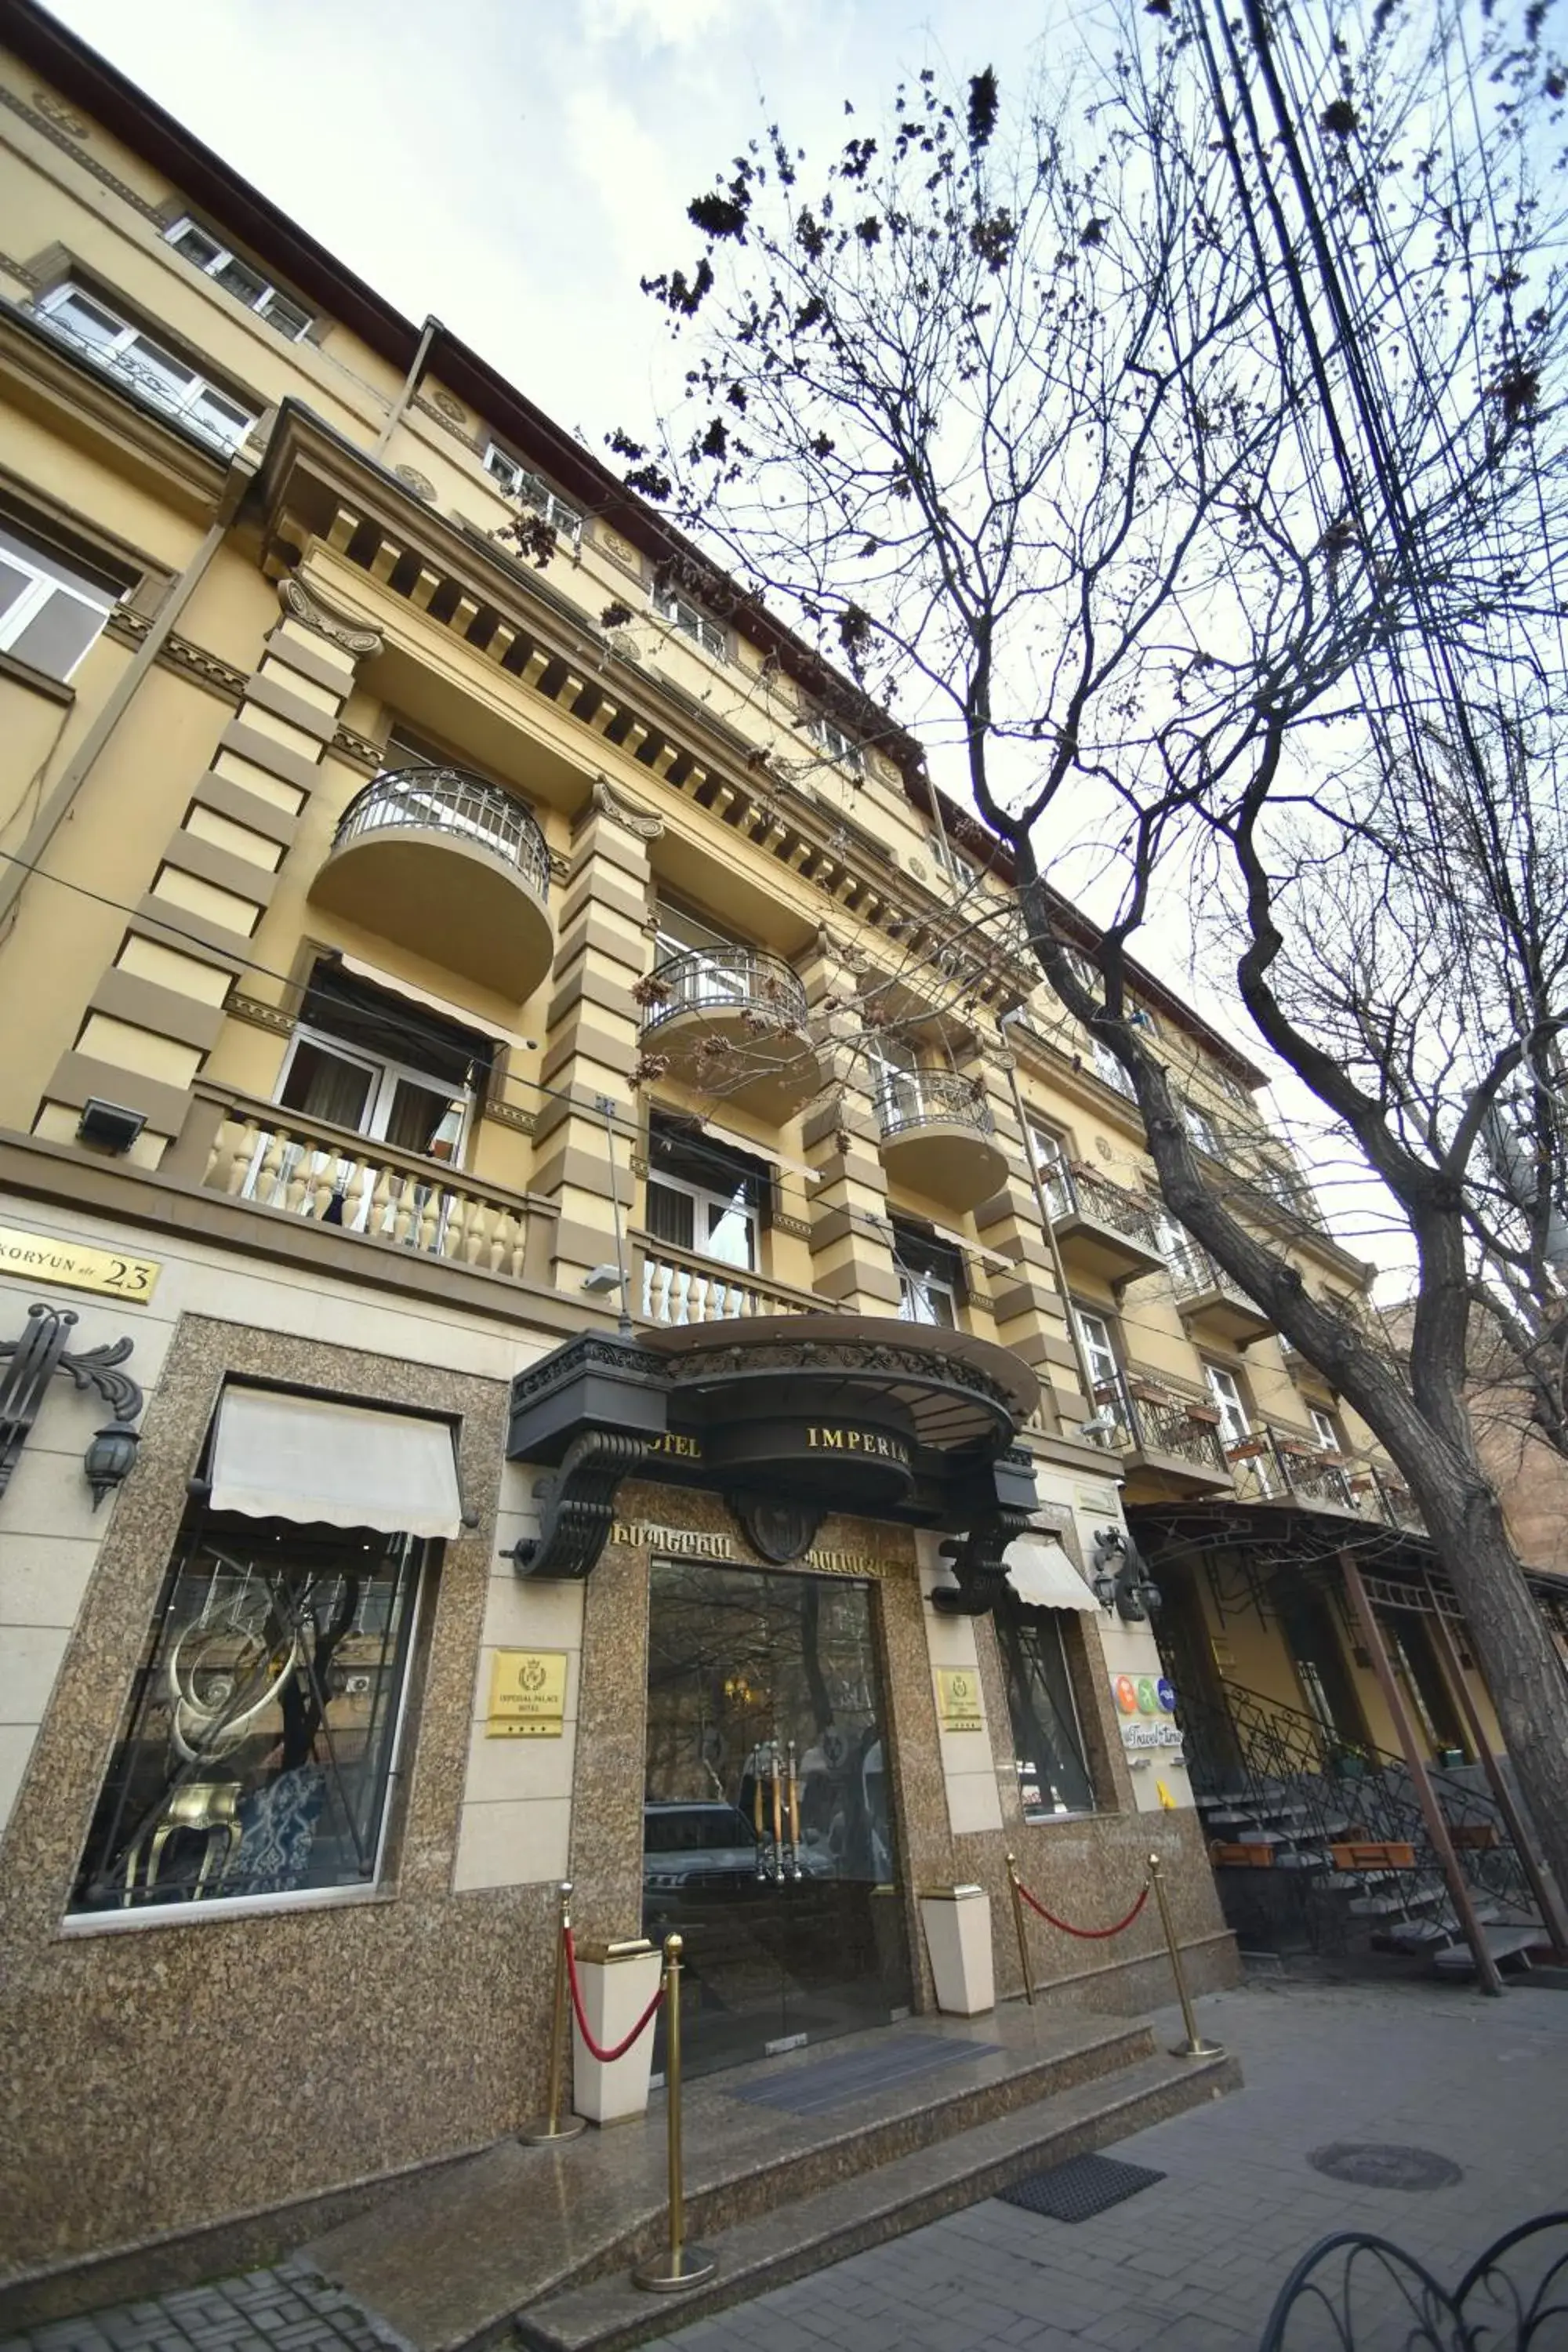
[[759, 987], [450, 801], [178, 393], [1145, 1423], [1078, 1191], [1271, 1466], [908, 1099], [1194, 1272]]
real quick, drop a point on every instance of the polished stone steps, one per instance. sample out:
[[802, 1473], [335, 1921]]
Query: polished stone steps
[[612, 2313], [449, 2259]]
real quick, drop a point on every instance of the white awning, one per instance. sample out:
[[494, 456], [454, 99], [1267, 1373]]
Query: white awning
[[1040, 1572], [310, 1459]]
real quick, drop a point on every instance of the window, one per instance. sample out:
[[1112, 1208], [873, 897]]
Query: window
[[1201, 1130], [691, 620], [704, 1197], [1326, 1431], [718, 976], [531, 490], [1235, 1427], [1109, 1070], [931, 1278], [51, 612], [1047, 1735], [144, 367], [216, 261], [363, 1059], [1049, 1154], [1101, 1356], [838, 746], [257, 1749]]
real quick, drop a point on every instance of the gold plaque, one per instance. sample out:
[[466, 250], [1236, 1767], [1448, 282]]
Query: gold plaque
[[528, 1694], [34, 1258], [958, 1699]]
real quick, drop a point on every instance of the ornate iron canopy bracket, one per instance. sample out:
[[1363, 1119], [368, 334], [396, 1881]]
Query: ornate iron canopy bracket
[[35, 1357], [978, 1563], [581, 1507]]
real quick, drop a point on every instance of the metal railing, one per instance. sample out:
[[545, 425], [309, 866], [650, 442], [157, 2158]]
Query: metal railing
[[449, 800], [1193, 1272], [1270, 1757], [281, 1159], [1149, 1425], [760, 987], [677, 1285], [1268, 1466], [1078, 1191], [908, 1099], [181, 404]]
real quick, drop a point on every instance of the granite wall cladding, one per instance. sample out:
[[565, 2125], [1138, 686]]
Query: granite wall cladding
[[168, 2075]]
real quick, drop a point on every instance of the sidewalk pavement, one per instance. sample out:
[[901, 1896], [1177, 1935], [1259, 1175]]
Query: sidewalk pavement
[[1191, 2265]]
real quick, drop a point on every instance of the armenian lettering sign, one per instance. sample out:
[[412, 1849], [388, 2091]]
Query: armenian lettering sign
[[528, 1694]]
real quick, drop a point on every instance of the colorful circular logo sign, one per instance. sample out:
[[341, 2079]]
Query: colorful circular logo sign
[[1165, 1693], [1147, 1702], [1127, 1694]]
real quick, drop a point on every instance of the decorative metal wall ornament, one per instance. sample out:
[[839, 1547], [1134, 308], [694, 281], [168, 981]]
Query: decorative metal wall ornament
[[35, 1357], [978, 1562], [1119, 1578], [581, 1506], [779, 1532]]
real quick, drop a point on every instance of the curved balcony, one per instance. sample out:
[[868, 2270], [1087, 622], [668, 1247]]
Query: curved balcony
[[937, 1138], [450, 867], [733, 1022]]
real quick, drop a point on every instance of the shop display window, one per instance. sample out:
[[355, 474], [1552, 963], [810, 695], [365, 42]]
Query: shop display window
[[1054, 1777]]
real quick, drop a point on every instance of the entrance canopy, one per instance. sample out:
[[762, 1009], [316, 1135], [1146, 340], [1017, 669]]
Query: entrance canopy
[[835, 1413]]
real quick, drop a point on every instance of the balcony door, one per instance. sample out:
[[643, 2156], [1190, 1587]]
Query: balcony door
[[1235, 1426], [712, 972], [381, 1101]]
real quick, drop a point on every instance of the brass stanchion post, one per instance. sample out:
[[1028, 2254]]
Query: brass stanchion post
[[681, 2265], [1195, 2046], [550, 2126], [1019, 1925]]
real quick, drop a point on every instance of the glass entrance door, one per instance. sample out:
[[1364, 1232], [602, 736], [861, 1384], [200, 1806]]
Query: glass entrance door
[[767, 1838]]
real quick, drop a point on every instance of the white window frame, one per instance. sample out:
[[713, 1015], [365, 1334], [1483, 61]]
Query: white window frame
[[268, 295], [1203, 1130], [1323, 1429], [727, 1205], [1099, 1353], [918, 1289], [691, 620], [1109, 1072], [521, 482], [1052, 1166], [43, 587], [117, 357], [840, 747], [1225, 1394], [386, 1075]]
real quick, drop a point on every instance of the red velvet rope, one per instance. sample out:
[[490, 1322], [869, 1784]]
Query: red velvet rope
[[1086, 1935], [605, 2057]]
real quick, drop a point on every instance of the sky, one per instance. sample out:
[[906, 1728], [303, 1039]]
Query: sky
[[518, 181]]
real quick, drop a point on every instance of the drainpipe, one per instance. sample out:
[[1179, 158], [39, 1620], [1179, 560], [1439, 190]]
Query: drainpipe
[[1084, 1374], [400, 407], [17, 873]]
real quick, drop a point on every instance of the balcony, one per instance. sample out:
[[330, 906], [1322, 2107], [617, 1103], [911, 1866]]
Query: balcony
[[1101, 1229], [1175, 1439], [676, 1286], [450, 867], [1213, 1306], [390, 1199], [1270, 1466], [733, 1022], [937, 1138]]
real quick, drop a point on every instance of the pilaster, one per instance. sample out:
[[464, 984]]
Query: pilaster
[[851, 1241], [1026, 1299], [591, 1047], [155, 1014]]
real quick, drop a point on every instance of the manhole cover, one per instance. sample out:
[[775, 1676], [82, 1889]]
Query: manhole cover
[[1372, 2164]]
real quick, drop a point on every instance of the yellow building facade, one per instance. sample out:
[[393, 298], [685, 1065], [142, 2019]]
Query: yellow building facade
[[573, 1308]]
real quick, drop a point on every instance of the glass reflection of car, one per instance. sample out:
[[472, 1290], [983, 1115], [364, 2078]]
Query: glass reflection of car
[[702, 1844]]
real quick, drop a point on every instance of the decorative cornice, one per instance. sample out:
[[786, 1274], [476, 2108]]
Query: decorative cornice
[[796, 1227], [67, 141], [359, 751], [503, 1114], [259, 1015], [339, 628], [629, 814], [14, 269], [129, 627]]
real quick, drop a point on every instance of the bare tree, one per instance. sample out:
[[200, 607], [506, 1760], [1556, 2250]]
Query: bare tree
[[1183, 450]]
